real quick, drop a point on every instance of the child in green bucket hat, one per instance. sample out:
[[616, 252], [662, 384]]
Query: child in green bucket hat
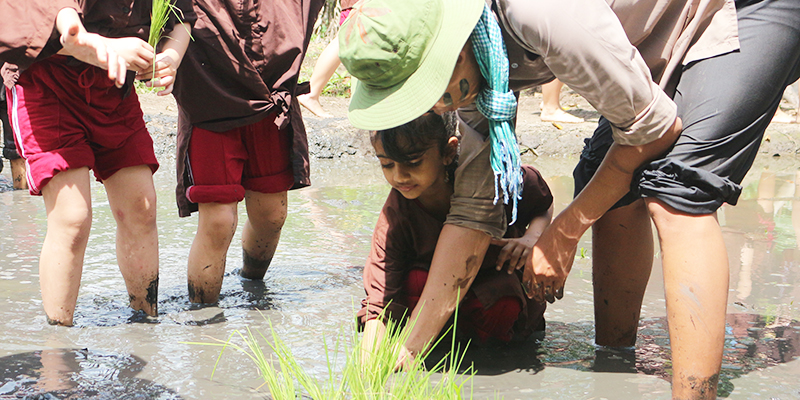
[[699, 52]]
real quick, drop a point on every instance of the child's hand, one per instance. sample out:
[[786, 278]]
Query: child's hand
[[137, 54], [168, 61], [164, 74], [114, 55], [514, 252], [405, 360], [92, 49]]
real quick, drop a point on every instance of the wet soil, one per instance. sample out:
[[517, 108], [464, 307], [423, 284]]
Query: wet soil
[[335, 138]]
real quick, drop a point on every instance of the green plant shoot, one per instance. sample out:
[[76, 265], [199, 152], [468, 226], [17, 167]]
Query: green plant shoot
[[159, 16]]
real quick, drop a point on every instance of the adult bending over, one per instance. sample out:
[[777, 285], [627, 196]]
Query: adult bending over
[[405, 63]]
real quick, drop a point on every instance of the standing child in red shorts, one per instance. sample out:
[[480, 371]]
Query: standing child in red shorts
[[240, 132], [418, 160], [72, 110]]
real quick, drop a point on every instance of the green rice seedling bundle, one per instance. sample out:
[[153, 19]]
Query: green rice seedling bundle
[[159, 16], [363, 377]]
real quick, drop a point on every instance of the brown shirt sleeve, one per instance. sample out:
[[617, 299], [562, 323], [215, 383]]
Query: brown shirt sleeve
[[386, 268], [32, 31], [536, 200], [187, 14]]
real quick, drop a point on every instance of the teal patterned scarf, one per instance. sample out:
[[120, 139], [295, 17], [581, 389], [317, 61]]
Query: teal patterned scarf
[[499, 106]]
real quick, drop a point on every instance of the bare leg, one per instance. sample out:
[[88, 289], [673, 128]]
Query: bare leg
[[326, 65], [68, 202], [797, 111], [266, 214], [215, 228], [620, 273], [132, 198], [551, 104], [18, 175], [696, 284]]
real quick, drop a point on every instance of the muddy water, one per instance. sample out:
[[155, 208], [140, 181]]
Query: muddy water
[[314, 283]]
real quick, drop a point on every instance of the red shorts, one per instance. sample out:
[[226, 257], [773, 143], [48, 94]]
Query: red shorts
[[222, 165], [475, 319], [72, 116]]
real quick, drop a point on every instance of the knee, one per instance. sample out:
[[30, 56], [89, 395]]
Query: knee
[[139, 215], [218, 221], [277, 216], [75, 223], [269, 217]]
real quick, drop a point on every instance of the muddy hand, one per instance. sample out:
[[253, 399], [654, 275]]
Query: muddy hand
[[547, 268]]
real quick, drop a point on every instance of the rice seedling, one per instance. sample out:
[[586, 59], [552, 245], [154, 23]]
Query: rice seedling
[[363, 377], [159, 16]]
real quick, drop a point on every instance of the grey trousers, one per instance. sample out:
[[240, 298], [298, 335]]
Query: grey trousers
[[725, 104]]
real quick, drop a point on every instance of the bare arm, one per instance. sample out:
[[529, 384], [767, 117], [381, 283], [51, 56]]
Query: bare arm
[[458, 257], [115, 55], [552, 256]]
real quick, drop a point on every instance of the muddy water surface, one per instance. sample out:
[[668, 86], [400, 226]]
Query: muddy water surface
[[314, 284]]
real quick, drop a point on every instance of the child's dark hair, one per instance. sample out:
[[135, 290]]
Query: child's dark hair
[[405, 142]]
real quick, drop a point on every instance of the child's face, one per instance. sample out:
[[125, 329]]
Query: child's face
[[421, 176]]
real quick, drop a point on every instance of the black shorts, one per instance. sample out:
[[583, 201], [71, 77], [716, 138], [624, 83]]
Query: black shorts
[[725, 103]]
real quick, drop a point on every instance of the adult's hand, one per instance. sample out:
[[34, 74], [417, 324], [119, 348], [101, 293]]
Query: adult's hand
[[552, 256], [10, 74], [547, 268], [162, 74], [405, 359]]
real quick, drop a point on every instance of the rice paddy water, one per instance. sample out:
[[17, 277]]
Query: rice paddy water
[[314, 285]]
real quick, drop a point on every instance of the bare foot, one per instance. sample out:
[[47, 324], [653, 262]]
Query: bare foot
[[781, 117], [313, 105], [559, 115]]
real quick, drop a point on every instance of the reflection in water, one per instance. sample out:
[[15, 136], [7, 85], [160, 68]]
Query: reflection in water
[[752, 342], [76, 374], [5, 184]]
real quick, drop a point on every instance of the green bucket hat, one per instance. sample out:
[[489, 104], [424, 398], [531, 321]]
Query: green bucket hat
[[402, 54]]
